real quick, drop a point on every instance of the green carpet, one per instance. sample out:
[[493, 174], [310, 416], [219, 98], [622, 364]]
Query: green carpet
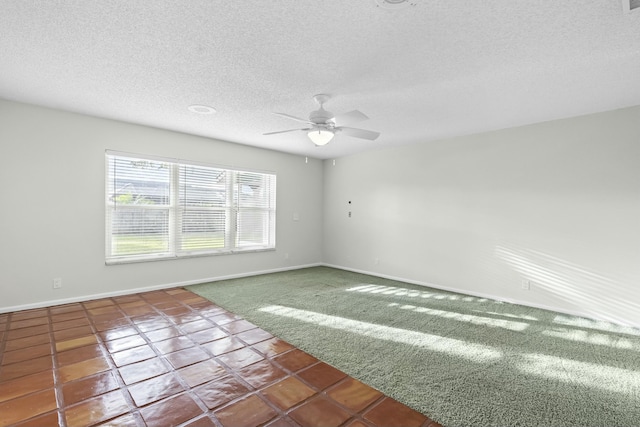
[[461, 360]]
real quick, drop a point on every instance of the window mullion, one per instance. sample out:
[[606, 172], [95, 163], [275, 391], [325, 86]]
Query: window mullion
[[175, 214], [110, 172], [232, 210]]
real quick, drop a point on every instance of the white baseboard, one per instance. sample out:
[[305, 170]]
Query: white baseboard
[[90, 297], [487, 296]]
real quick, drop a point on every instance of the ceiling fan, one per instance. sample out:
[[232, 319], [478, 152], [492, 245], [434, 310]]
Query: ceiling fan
[[322, 125]]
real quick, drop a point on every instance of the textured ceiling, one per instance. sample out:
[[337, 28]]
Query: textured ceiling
[[438, 69]]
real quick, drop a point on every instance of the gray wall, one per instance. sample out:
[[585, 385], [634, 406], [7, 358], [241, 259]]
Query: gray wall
[[52, 193], [556, 203]]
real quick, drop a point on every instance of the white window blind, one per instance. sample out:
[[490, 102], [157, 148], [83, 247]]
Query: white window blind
[[159, 209], [253, 218]]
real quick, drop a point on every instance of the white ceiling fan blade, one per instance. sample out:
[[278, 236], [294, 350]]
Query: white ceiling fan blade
[[360, 133], [284, 131], [298, 119], [349, 118]]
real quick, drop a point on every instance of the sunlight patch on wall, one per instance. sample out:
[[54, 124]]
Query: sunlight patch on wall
[[412, 293], [603, 296], [466, 318], [466, 350], [574, 372]]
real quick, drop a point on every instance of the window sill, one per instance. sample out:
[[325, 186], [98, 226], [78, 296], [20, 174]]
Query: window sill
[[139, 259]]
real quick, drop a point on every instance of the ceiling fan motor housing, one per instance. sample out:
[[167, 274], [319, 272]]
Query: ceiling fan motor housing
[[320, 116]]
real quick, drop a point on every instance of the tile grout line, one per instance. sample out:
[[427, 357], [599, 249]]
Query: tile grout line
[[122, 387], [187, 388], [57, 383], [353, 415], [5, 338], [227, 368], [253, 391], [50, 356], [294, 374], [158, 355]]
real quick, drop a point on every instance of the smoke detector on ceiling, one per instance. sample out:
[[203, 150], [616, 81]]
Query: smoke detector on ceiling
[[396, 4], [631, 5]]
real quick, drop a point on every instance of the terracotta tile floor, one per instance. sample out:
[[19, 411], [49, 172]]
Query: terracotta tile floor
[[170, 358]]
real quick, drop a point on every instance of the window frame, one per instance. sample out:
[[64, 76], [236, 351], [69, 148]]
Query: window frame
[[231, 211]]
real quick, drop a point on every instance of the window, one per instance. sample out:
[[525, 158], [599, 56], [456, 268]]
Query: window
[[160, 208]]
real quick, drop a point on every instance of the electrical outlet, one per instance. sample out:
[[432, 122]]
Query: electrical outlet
[[57, 283], [286, 256], [526, 285], [376, 261]]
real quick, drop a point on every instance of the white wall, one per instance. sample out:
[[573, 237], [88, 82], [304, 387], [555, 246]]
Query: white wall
[[52, 215], [557, 203]]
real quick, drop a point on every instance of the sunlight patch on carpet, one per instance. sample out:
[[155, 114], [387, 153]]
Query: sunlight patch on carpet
[[470, 351], [411, 293], [594, 338], [588, 374], [513, 316], [598, 325], [467, 318]]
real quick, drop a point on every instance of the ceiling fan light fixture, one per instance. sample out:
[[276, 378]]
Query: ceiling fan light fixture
[[320, 136], [395, 4], [201, 109]]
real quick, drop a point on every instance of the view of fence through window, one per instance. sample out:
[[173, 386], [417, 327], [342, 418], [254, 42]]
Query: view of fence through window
[[165, 208]]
